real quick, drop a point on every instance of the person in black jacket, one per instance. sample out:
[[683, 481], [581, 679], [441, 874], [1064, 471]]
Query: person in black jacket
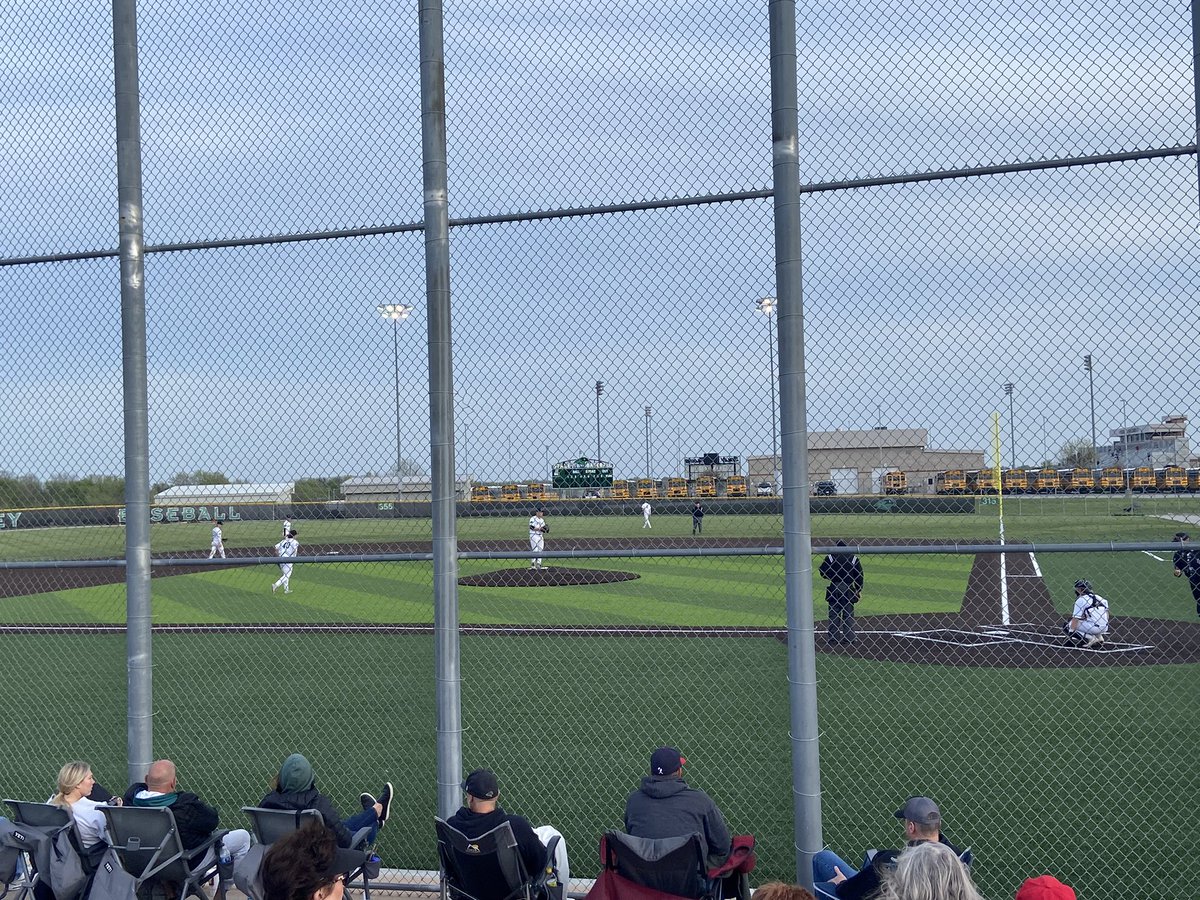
[[665, 806], [834, 877], [296, 788], [482, 812], [845, 575], [194, 818], [1187, 562], [698, 518]]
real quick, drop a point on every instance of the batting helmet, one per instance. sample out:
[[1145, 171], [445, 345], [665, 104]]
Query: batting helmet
[[1085, 586]]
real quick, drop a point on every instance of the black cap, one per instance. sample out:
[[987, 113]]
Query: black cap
[[482, 784], [1181, 536], [1082, 585], [921, 810], [666, 761]]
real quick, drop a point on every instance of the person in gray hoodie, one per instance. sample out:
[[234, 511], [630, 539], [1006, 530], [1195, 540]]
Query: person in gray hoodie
[[296, 788], [666, 806]]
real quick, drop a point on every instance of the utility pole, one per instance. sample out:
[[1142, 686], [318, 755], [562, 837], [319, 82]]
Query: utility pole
[[599, 391], [1087, 365], [649, 413], [1012, 440]]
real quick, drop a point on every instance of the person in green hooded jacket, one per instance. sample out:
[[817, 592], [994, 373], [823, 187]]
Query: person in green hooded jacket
[[295, 787]]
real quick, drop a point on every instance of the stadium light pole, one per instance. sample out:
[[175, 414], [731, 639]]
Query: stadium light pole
[[599, 391], [649, 413], [1012, 439], [397, 312], [1087, 365], [766, 306]]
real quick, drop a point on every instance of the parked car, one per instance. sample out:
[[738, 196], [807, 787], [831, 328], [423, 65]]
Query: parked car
[[764, 489], [825, 489], [591, 495]]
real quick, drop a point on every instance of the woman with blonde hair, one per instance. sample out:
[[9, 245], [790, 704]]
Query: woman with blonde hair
[[75, 783], [929, 871]]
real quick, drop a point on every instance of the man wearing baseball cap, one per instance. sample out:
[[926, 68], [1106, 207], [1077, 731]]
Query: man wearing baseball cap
[[1187, 562], [666, 806], [482, 813], [834, 877]]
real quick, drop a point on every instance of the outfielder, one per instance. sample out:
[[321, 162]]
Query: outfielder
[[287, 526], [646, 514], [218, 543], [286, 549], [1187, 562], [537, 540], [1089, 619]]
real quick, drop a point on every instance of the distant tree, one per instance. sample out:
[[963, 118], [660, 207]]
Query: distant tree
[[200, 476], [1077, 452], [21, 491], [314, 489]]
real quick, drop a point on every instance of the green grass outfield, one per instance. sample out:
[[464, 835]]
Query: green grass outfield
[[568, 721]]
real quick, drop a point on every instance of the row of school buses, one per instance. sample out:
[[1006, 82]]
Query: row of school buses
[[1079, 480], [622, 489]]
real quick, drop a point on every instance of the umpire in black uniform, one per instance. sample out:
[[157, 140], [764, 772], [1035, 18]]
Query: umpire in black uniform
[[845, 575], [1187, 562]]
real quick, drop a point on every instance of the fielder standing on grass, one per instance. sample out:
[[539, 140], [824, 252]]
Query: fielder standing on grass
[[538, 529], [646, 514], [286, 549], [698, 518], [1187, 562], [218, 542]]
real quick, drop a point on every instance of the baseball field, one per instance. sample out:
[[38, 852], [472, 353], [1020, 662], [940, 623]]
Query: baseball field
[[565, 689]]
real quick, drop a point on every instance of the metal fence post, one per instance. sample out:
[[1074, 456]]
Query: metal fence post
[[138, 654]]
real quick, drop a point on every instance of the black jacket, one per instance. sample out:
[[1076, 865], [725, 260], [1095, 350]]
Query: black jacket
[[473, 824], [194, 818], [845, 575], [311, 799], [866, 884], [666, 807]]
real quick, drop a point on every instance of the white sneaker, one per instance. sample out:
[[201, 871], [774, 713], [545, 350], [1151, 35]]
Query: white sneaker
[[273, 588], [287, 590], [1095, 640]]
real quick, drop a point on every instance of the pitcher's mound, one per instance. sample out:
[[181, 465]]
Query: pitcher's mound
[[550, 576]]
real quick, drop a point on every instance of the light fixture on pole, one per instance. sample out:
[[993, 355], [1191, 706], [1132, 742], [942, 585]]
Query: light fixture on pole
[[1087, 365], [599, 391], [1012, 440], [397, 312], [649, 413], [766, 306]]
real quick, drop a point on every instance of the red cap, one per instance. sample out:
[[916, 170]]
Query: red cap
[[1044, 887]]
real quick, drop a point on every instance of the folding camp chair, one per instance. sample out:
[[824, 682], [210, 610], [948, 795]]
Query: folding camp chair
[[490, 867], [269, 825], [147, 842], [36, 826], [674, 866]]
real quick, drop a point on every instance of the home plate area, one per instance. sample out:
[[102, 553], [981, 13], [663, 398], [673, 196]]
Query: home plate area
[[982, 636]]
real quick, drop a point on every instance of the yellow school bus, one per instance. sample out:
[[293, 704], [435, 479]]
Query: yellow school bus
[[1171, 479], [981, 481], [1045, 480], [647, 488], [1079, 480], [952, 481], [735, 486], [620, 490], [1193, 480], [706, 486], [1112, 479], [895, 483], [677, 487], [510, 492], [535, 490], [481, 493], [1015, 481], [1140, 479]]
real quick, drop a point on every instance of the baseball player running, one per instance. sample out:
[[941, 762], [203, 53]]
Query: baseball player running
[[646, 514], [537, 536], [218, 542], [1089, 619], [286, 549]]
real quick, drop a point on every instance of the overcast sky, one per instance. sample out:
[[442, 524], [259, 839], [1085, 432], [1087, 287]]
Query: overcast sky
[[921, 301]]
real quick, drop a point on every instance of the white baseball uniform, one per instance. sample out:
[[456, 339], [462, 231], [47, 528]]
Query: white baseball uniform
[[287, 526], [537, 540], [286, 548], [646, 514], [1092, 612], [218, 544]]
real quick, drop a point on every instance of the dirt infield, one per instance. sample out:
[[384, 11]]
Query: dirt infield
[[971, 638]]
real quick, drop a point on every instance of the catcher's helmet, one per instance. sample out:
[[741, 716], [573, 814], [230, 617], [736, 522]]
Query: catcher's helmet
[[1085, 586]]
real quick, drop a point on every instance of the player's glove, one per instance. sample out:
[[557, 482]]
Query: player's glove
[[545, 529]]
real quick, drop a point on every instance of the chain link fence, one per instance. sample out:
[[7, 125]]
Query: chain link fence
[[1000, 258]]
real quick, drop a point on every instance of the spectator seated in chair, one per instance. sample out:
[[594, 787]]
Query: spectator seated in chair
[[666, 806], [834, 877], [296, 788], [79, 794], [1044, 887], [929, 870], [482, 812], [778, 890], [194, 818], [307, 864]]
